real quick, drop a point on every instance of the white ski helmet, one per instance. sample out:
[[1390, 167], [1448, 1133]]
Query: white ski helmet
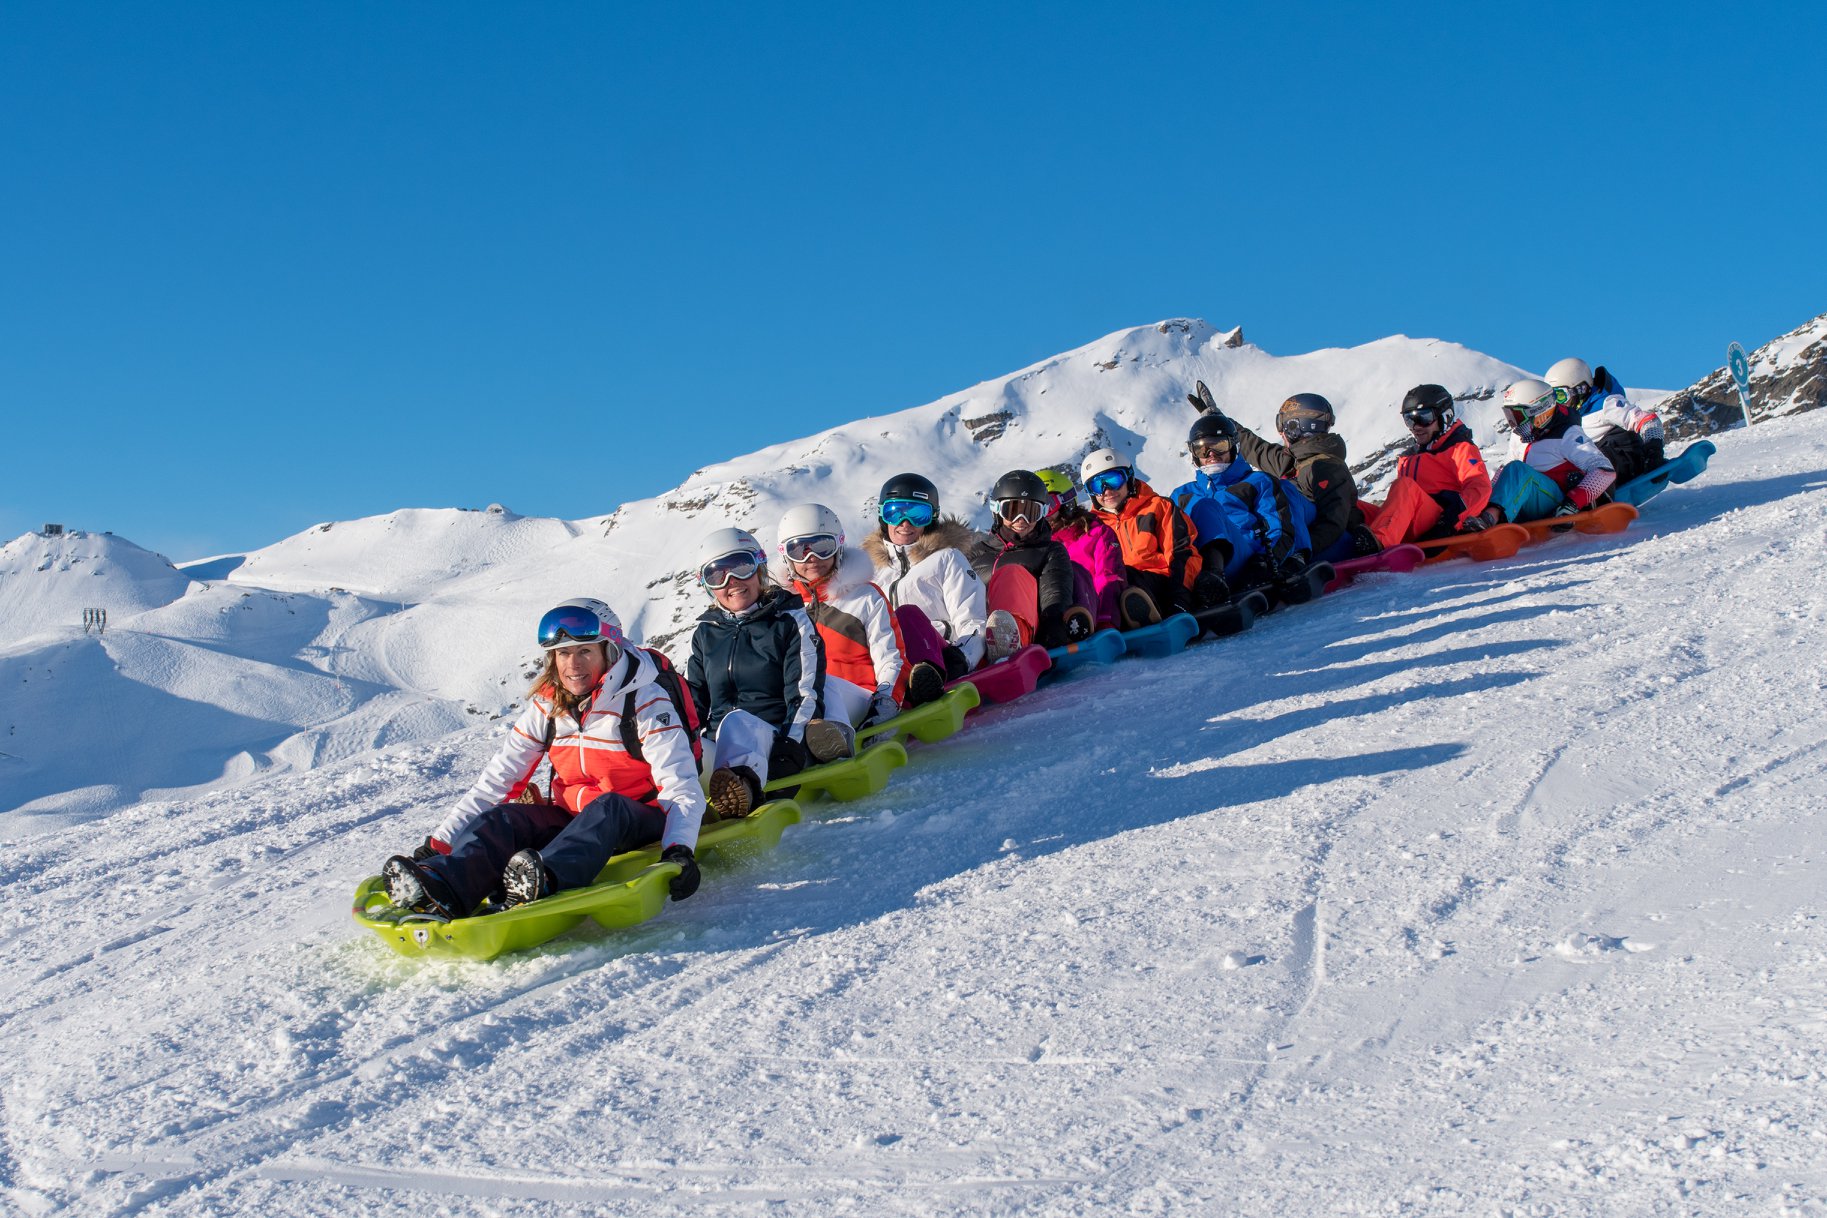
[[721, 543], [1528, 404], [808, 520], [582, 620], [1103, 460], [1569, 373]]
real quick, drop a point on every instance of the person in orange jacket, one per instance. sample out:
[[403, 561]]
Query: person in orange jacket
[[1159, 558], [1443, 486]]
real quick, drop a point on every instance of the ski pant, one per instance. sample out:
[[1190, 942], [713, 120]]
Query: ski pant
[[847, 700], [1406, 513], [1525, 493], [1104, 609], [1015, 590], [921, 642], [573, 848], [1212, 523], [741, 739]]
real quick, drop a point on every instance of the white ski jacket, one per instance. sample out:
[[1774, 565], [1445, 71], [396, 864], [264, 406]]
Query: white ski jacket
[[934, 575], [1616, 413]]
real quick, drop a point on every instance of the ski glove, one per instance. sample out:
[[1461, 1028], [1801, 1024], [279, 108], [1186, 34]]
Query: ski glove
[[427, 849], [1202, 400], [686, 882], [788, 756], [1475, 524], [1292, 565], [1452, 506], [882, 708], [1567, 509]]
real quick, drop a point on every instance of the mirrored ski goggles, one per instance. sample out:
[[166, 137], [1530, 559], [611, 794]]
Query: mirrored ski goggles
[[1421, 416], [1535, 413], [1207, 451], [568, 625], [1030, 510], [720, 571], [907, 511], [815, 545], [1109, 480]]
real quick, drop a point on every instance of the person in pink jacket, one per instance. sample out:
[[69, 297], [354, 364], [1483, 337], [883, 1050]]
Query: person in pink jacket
[[1097, 554]]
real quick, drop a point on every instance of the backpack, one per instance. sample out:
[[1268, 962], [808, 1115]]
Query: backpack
[[667, 678]]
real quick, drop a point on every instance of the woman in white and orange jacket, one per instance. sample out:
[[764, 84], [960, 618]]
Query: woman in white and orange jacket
[[606, 797]]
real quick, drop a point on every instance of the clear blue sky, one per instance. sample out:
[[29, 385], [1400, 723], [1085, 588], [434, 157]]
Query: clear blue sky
[[272, 264]]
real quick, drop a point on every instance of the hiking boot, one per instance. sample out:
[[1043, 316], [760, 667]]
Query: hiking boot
[[925, 683], [1138, 609], [1001, 635], [412, 887], [1364, 543], [1080, 625], [733, 790], [830, 740], [525, 878]]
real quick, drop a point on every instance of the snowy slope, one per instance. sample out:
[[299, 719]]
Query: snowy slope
[[1488, 889], [47, 582]]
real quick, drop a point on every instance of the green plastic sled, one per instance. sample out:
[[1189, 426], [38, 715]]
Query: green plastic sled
[[852, 778], [932, 722], [630, 889]]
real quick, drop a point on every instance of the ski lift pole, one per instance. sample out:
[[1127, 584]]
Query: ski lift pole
[[1741, 377]]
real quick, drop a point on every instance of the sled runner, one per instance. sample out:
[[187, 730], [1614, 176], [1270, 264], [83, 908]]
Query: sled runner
[[852, 778], [936, 720], [1101, 648], [1397, 558]]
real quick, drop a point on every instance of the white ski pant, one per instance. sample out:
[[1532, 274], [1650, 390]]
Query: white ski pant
[[846, 700], [741, 739]]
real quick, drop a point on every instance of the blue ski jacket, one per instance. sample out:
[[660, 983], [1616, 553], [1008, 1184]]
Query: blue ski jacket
[[1268, 514]]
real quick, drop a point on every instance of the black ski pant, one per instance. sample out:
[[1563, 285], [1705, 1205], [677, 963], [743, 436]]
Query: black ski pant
[[573, 848], [1169, 596]]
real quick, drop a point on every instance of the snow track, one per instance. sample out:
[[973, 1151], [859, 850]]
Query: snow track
[[1487, 889]]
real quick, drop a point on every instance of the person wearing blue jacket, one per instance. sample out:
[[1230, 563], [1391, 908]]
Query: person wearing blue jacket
[[1250, 525]]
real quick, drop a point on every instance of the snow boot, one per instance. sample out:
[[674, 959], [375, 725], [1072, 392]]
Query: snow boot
[[734, 791], [411, 887], [1001, 635], [830, 740], [525, 878], [925, 683], [1138, 609]]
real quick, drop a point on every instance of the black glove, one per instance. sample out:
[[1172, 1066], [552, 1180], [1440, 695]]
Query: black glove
[[1452, 506], [1293, 565], [1210, 590], [1202, 400], [1475, 524], [1653, 456], [955, 664], [1567, 509], [788, 756], [1051, 632], [686, 882], [425, 850], [1254, 573]]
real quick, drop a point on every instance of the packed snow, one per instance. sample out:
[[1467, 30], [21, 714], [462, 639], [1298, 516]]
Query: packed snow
[[1489, 889]]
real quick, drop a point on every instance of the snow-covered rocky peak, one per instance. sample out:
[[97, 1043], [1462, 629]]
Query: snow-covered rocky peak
[[47, 581], [1788, 376]]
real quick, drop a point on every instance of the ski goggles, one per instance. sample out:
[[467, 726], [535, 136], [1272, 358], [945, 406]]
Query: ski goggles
[[1030, 510], [1299, 428], [1109, 480], [1207, 451], [568, 625], [814, 545], [916, 512], [1571, 395], [1421, 416], [1533, 413], [720, 571]]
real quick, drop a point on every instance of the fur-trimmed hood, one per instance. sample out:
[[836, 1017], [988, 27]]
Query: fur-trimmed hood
[[946, 533]]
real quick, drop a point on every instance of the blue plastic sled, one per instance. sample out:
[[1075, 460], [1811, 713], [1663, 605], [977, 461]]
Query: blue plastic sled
[[1163, 638], [1683, 467], [1100, 648]]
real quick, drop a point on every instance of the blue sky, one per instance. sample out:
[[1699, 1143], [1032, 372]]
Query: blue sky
[[268, 265]]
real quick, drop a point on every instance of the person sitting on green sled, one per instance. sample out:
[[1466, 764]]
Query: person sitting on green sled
[[604, 800]]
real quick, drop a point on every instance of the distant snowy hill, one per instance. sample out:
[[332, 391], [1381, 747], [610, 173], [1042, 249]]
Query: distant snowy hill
[[46, 582]]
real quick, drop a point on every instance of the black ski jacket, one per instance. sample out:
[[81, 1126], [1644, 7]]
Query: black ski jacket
[[769, 662], [1042, 557], [1317, 466]]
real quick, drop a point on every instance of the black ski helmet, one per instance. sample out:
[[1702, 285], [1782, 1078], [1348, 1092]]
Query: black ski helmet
[[910, 486], [1211, 427], [1434, 398], [1020, 484], [1304, 414]]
